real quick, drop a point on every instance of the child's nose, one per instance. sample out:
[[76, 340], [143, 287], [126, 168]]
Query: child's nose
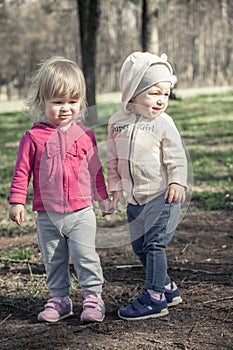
[[161, 99], [65, 106]]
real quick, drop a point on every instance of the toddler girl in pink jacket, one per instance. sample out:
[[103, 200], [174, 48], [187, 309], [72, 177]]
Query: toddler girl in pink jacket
[[62, 157]]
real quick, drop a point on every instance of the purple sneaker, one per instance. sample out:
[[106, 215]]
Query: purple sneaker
[[93, 308], [173, 296], [144, 307], [56, 309]]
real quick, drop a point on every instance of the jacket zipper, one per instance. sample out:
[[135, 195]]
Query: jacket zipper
[[130, 152]]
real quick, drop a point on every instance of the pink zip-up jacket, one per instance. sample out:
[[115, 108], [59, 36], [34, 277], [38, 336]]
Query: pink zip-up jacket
[[67, 173]]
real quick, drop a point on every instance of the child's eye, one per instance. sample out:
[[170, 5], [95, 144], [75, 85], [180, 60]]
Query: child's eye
[[56, 102]]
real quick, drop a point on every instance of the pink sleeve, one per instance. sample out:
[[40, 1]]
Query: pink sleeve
[[22, 171]]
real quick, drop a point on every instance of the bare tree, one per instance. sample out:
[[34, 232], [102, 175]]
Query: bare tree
[[149, 34], [89, 14]]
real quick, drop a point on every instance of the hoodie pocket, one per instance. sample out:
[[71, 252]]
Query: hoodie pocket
[[148, 178]]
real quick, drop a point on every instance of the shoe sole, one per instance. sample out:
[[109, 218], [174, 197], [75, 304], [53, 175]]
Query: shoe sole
[[163, 312], [41, 319], [175, 301]]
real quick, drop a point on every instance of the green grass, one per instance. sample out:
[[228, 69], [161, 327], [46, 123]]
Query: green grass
[[204, 122], [20, 253]]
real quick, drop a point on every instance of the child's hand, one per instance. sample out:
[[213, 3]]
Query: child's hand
[[16, 213], [106, 206], [118, 197], [175, 193]]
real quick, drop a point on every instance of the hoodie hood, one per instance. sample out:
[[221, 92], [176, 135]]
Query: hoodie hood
[[132, 72]]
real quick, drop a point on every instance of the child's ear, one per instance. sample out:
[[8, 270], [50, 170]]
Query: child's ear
[[164, 56]]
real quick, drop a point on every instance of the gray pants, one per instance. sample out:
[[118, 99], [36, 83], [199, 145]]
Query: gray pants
[[64, 236]]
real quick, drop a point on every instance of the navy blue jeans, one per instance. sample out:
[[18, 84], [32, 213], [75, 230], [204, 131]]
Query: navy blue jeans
[[151, 229]]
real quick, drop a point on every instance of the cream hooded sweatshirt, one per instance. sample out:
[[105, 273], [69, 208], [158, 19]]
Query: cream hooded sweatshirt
[[145, 154]]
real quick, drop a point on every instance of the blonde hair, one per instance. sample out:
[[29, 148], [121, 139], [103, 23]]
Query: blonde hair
[[57, 76]]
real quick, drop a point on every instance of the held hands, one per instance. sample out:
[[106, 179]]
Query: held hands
[[106, 206], [16, 213], [175, 193]]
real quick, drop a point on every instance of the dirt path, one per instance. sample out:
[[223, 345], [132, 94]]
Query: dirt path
[[200, 260]]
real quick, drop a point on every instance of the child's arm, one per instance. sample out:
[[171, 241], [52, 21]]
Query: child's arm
[[114, 180], [20, 180], [174, 158], [16, 213], [95, 168]]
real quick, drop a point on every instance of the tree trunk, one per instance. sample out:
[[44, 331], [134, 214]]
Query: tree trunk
[[89, 13], [149, 34]]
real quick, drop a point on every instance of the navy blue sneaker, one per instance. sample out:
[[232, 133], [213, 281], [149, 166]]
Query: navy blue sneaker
[[144, 307], [173, 296]]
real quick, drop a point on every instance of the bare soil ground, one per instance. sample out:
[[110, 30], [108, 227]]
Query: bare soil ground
[[200, 260]]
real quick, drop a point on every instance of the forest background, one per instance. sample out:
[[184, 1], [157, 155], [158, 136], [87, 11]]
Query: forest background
[[195, 34]]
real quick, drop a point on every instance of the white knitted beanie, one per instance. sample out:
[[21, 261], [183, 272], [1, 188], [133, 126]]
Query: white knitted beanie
[[154, 75]]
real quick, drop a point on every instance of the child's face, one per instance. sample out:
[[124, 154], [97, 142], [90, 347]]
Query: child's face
[[154, 100], [61, 111]]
